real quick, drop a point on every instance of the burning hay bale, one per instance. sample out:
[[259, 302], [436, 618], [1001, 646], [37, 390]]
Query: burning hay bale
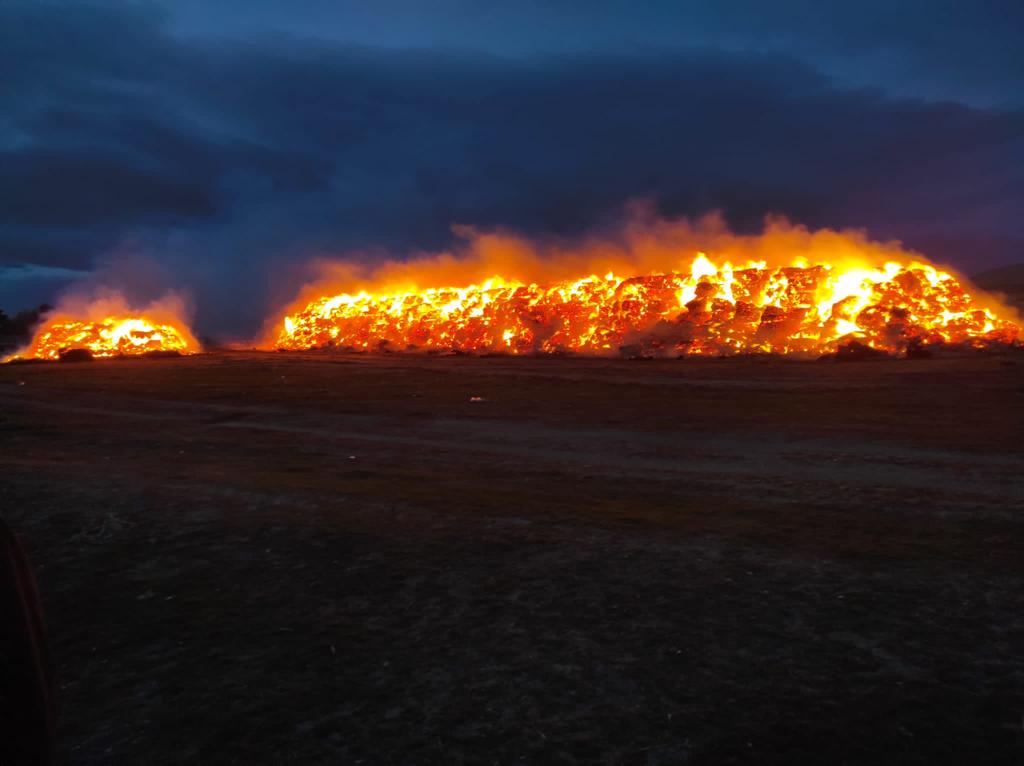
[[705, 310], [855, 351], [75, 355], [77, 340], [107, 328]]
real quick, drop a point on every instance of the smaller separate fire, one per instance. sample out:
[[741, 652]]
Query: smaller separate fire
[[121, 332]]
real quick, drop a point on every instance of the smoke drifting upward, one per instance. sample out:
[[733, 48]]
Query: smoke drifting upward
[[643, 244]]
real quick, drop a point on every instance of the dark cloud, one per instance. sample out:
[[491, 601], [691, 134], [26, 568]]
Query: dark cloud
[[228, 162], [938, 49]]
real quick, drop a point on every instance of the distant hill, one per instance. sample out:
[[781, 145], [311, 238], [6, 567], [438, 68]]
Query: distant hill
[[1006, 280]]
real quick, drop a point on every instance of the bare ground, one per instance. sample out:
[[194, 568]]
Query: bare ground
[[255, 558]]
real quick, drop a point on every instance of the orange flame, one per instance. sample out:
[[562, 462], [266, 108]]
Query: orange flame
[[696, 306], [107, 328]]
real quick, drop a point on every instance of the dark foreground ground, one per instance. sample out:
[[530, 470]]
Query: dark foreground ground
[[254, 558]]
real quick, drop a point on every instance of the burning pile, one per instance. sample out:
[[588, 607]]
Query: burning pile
[[702, 309], [111, 336], [108, 327]]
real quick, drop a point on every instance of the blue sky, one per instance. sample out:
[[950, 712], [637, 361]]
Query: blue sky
[[220, 144]]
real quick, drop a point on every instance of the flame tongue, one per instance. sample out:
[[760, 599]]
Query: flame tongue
[[704, 310], [109, 336]]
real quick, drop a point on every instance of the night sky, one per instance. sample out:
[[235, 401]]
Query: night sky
[[213, 147]]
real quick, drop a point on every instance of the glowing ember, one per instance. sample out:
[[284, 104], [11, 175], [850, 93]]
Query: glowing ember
[[704, 309], [109, 336]]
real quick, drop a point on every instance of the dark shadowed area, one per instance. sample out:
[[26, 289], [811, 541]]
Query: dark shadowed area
[[323, 558]]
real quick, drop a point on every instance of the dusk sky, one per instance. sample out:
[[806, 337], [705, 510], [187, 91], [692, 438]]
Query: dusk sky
[[211, 147]]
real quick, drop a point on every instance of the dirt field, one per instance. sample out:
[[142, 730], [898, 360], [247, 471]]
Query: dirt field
[[255, 558]]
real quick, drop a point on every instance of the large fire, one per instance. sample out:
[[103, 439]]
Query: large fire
[[703, 306], [107, 327]]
